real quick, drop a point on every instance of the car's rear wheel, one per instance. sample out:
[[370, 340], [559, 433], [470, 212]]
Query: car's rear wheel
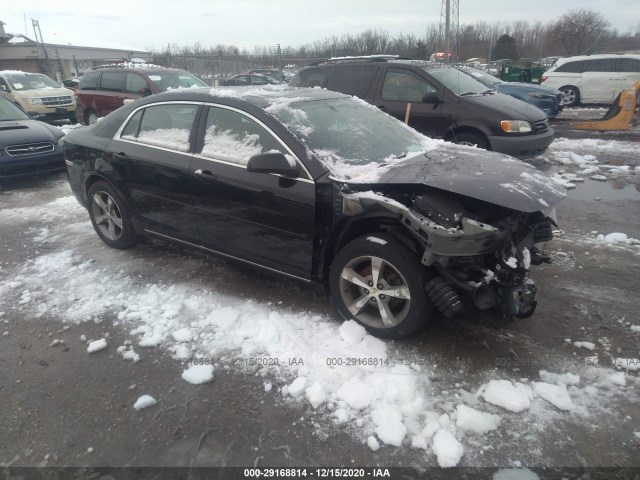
[[90, 117], [109, 216], [378, 282], [471, 139], [570, 96]]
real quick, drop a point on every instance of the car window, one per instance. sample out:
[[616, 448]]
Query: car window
[[167, 126], [89, 81], [3, 85], [31, 81], [112, 81], [570, 67], [170, 80], [314, 77], [352, 80], [233, 137], [257, 80], [599, 65], [404, 86], [627, 65], [135, 83]]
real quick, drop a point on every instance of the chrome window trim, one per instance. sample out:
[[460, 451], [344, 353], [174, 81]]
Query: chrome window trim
[[118, 137]]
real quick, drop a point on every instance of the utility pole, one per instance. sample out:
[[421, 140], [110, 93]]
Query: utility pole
[[450, 21]]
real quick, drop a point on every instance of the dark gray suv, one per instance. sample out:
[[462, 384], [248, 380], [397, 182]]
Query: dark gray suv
[[437, 100]]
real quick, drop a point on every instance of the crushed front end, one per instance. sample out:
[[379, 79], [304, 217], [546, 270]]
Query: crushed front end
[[479, 254]]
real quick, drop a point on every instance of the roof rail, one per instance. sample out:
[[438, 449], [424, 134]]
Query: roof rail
[[364, 58]]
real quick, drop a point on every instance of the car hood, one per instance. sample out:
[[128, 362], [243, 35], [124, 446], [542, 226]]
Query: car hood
[[506, 105], [44, 92], [488, 176], [27, 131], [531, 87]]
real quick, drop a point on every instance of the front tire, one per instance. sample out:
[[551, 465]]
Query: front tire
[[109, 216], [570, 96], [471, 139], [378, 282], [90, 117]]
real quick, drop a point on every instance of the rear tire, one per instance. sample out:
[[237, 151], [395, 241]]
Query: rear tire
[[380, 286], [570, 95], [109, 216]]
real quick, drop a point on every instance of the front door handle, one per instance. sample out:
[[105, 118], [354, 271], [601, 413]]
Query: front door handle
[[121, 156], [203, 172], [382, 107]]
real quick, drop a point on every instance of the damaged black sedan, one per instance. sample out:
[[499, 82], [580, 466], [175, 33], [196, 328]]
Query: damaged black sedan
[[322, 188]]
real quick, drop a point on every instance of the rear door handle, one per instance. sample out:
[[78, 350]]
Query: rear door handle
[[382, 107], [120, 156], [203, 172]]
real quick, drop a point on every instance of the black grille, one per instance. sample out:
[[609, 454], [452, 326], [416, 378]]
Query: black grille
[[541, 126], [57, 101], [543, 232], [29, 149]]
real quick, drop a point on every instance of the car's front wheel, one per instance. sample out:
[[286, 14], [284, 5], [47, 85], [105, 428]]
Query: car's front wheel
[[378, 282], [109, 216], [90, 117]]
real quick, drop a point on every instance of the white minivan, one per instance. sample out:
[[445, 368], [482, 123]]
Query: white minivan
[[593, 78]]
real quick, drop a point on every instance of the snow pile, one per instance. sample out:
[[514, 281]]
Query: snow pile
[[631, 364], [173, 138], [447, 448], [144, 401], [97, 345], [587, 345], [198, 374], [557, 395], [505, 394], [476, 421]]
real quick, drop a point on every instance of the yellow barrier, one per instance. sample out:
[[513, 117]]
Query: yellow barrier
[[621, 114]]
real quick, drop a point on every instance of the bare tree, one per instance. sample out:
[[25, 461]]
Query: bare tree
[[578, 29]]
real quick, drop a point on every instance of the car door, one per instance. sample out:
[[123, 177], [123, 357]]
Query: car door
[[110, 97], [264, 219], [599, 81], [135, 86], [153, 154], [401, 90]]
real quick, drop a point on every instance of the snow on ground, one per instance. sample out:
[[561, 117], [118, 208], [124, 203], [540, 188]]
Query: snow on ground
[[380, 392], [595, 159]]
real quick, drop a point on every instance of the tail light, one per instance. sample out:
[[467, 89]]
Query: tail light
[[543, 79]]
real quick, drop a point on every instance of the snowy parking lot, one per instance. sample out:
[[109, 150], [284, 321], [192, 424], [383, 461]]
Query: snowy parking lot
[[162, 356]]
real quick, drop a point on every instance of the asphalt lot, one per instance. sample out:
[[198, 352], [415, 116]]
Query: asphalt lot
[[64, 407]]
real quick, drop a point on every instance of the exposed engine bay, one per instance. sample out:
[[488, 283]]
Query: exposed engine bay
[[478, 253]]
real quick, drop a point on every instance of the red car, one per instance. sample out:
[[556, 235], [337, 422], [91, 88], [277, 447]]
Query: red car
[[104, 89]]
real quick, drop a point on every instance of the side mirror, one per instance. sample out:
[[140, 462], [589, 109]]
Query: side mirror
[[4, 88], [271, 162], [431, 97]]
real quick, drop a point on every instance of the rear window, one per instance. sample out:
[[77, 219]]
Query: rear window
[[314, 77], [352, 80], [89, 81]]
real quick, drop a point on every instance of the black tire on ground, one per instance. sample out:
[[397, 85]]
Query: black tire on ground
[[90, 117], [467, 138], [73, 119], [570, 95], [109, 216], [397, 305]]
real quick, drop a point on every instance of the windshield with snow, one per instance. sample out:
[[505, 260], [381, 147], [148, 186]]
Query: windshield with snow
[[353, 132], [31, 82], [456, 81], [483, 77]]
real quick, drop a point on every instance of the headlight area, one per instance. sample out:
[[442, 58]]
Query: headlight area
[[61, 142], [35, 101], [515, 126]]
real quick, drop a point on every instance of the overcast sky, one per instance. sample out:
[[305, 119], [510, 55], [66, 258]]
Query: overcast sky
[[247, 23]]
